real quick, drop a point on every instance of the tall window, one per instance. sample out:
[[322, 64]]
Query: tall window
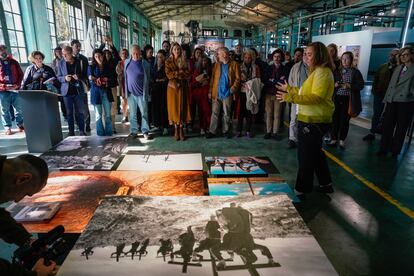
[[51, 21], [103, 20], [75, 22], [103, 27], [135, 35], [123, 31], [123, 37], [2, 41], [15, 29]]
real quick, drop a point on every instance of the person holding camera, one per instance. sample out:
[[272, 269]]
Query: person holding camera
[[72, 90], [22, 176], [101, 78]]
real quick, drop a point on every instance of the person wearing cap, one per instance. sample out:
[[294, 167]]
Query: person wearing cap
[[22, 176], [11, 76]]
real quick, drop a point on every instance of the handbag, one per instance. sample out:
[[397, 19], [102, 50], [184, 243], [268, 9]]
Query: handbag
[[354, 106]]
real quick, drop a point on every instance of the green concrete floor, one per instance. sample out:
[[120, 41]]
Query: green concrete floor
[[359, 231]]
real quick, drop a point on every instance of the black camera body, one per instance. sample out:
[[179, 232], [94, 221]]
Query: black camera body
[[49, 247]]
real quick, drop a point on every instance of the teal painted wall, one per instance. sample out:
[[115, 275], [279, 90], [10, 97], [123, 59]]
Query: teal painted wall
[[37, 33]]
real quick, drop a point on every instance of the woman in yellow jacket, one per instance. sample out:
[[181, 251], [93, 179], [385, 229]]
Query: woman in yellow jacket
[[315, 109], [178, 105]]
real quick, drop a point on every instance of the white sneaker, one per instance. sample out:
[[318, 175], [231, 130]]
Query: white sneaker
[[202, 132], [342, 144]]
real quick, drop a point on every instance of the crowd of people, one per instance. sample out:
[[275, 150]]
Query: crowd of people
[[182, 88]]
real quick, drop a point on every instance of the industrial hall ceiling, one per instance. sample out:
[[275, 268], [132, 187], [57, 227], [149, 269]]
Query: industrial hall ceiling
[[232, 12]]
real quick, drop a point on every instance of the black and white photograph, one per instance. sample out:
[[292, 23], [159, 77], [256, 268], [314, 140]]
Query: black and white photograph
[[86, 153], [243, 235]]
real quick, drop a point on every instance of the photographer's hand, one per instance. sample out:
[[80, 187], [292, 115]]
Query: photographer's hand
[[43, 270], [68, 78], [75, 77]]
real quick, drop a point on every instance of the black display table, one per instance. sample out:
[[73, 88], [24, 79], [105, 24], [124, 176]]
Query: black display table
[[41, 119]]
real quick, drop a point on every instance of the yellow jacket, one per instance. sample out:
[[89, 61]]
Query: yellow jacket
[[314, 98], [234, 78]]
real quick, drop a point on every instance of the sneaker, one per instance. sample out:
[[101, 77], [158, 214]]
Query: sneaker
[[327, 189], [332, 143], [21, 128], [291, 144], [267, 135], [202, 132], [147, 136], [124, 120], [71, 133], [88, 128], [342, 144], [8, 132], [210, 135], [165, 131], [114, 131], [133, 135], [369, 137], [82, 133]]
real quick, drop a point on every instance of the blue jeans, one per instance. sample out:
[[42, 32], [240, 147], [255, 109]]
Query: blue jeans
[[135, 102], [10, 99], [378, 107], [102, 130], [74, 102]]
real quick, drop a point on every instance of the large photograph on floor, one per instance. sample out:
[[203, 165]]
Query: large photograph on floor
[[155, 161], [79, 192], [232, 166], [85, 153], [244, 235]]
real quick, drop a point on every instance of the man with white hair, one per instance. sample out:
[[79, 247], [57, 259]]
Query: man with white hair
[[224, 83], [137, 78]]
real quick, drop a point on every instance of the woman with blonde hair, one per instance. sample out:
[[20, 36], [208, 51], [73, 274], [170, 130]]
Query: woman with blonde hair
[[177, 71], [315, 109]]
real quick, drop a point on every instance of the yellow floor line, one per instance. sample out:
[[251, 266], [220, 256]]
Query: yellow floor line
[[369, 184], [372, 186]]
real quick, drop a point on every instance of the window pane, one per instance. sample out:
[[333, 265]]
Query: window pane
[[15, 6], [49, 4], [6, 5], [50, 15], [52, 29], [18, 22], [15, 53], [1, 37], [9, 20], [20, 39], [13, 38], [23, 55]]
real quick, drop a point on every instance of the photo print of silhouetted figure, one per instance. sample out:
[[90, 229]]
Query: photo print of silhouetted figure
[[87, 252], [166, 248], [186, 241], [249, 232], [238, 221], [134, 250], [143, 250]]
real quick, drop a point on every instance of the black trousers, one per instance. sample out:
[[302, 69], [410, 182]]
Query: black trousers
[[159, 108], [340, 119], [311, 158], [244, 113], [397, 118]]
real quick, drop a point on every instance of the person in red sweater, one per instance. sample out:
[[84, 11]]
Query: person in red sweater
[[11, 76]]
